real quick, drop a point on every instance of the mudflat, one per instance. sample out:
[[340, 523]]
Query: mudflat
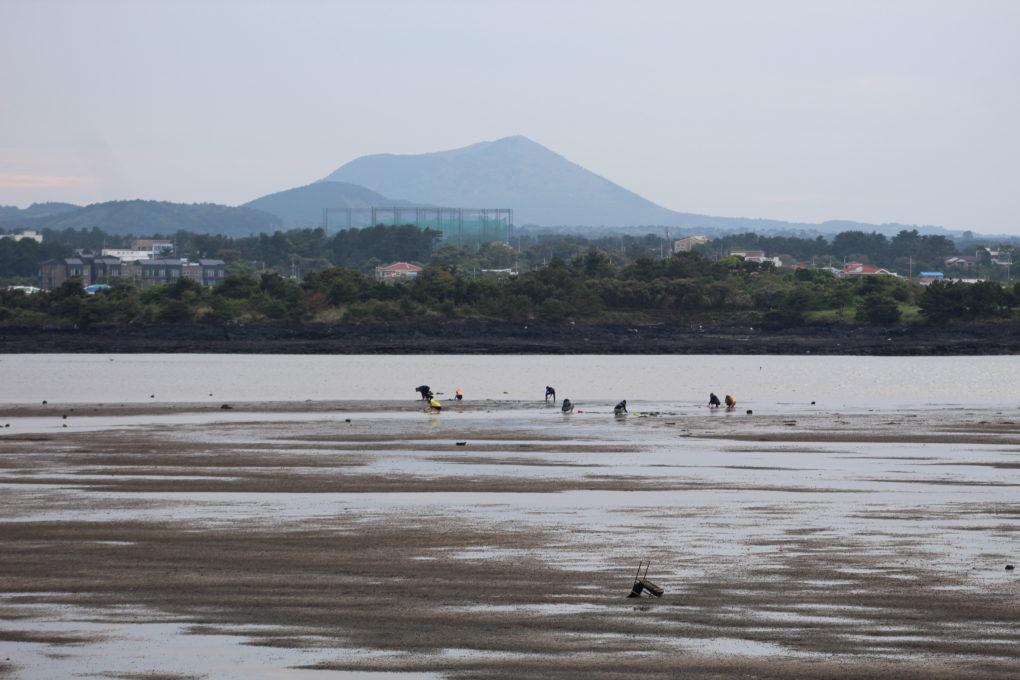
[[499, 539]]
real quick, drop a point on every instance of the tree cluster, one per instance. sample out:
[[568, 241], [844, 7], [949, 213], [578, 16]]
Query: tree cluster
[[590, 287]]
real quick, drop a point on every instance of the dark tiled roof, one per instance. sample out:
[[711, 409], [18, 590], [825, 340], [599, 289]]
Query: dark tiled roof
[[211, 263]]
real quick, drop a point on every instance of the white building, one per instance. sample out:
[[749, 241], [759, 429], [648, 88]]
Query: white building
[[26, 234], [128, 255], [756, 256]]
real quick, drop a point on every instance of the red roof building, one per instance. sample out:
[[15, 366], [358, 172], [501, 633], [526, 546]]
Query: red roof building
[[397, 271]]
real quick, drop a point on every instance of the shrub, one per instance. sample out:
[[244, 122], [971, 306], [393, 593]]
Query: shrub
[[878, 309]]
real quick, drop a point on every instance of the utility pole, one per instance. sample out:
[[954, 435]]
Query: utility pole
[[910, 266]]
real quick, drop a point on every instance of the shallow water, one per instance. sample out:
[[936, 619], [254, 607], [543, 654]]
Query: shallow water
[[853, 516], [832, 381], [119, 645]]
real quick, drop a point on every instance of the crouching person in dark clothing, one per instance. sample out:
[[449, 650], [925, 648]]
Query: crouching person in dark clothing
[[621, 408]]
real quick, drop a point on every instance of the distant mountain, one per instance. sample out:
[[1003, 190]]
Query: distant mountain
[[544, 189], [514, 172], [152, 217], [302, 206], [10, 214]]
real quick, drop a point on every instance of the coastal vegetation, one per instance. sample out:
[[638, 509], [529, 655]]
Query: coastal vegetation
[[687, 288]]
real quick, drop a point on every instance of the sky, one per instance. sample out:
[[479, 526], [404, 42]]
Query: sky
[[805, 110]]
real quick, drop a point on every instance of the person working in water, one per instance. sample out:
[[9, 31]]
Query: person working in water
[[713, 401], [731, 403], [550, 392], [620, 408], [568, 406], [435, 405], [458, 395], [424, 391]]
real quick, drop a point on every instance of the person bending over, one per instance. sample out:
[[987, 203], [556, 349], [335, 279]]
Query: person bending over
[[713, 401], [550, 392], [620, 408], [568, 406]]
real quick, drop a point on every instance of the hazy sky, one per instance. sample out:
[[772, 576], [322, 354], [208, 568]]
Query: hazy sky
[[804, 110]]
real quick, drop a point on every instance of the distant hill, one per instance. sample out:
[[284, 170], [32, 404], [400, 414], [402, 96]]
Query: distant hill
[[514, 172], [11, 215], [151, 217], [545, 189], [302, 206]]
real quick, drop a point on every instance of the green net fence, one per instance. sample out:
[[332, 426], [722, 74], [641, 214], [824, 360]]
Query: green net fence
[[460, 227]]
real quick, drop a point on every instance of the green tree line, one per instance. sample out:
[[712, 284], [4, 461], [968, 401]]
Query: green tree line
[[302, 251], [589, 287]]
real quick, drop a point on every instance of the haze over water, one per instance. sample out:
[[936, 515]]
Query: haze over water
[[774, 383]]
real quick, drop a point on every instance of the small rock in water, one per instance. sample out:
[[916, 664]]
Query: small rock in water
[[749, 411], [226, 407], [152, 396], [812, 403], [1009, 567], [64, 416], [45, 402], [347, 420], [461, 443], [65, 424]]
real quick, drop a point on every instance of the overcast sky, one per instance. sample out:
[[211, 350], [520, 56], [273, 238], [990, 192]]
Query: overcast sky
[[802, 110]]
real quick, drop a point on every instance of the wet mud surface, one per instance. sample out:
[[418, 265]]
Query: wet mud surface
[[869, 546]]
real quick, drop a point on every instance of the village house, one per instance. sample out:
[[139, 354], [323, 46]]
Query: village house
[[860, 269], [756, 256], [963, 261], [689, 243], [928, 278], [1001, 257], [397, 271], [155, 246]]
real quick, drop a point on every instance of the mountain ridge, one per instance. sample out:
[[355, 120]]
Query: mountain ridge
[[547, 189], [139, 216], [541, 186], [302, 206]]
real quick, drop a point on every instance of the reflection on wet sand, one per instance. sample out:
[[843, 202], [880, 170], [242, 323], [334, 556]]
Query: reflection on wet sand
[[278, 537]]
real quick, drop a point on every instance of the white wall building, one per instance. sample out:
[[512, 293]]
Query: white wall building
[[127, 255], [26, 234]]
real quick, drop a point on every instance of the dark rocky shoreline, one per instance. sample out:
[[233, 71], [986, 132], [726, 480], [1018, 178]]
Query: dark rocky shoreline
[[495, 337]]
